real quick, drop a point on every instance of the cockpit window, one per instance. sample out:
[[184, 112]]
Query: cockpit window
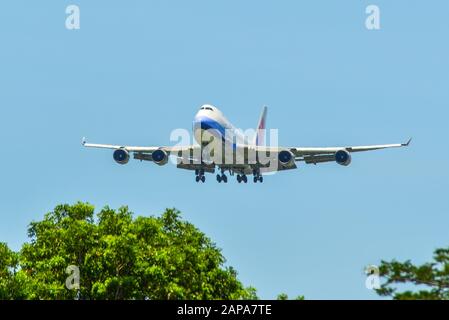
[[208, 108]]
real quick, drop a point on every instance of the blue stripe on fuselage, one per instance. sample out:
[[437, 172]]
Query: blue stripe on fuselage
[[207, 123]]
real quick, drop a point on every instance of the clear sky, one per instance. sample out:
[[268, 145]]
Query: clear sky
[[138, 69]]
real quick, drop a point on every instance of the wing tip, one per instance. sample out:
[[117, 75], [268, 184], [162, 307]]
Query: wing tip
[[407, 143]]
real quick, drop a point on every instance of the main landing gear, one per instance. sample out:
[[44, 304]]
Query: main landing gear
[[200, 175], [242, 178], [222, 177], [257, 176]]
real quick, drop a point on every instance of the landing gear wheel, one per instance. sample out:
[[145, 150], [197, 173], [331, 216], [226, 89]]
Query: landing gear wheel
[[224, 178], [239, 179], [255, 179], [219, 178], [244, 179], [261, 179], [203, 178], [197, 178]]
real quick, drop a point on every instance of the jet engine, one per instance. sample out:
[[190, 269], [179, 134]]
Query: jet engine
[[160, 157], [121, 156], [286, 158], [342, 157]]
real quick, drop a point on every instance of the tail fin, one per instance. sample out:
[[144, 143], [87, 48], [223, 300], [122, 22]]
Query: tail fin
[[259, 139]]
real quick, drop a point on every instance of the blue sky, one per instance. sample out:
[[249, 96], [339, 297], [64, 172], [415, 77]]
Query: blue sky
[[138, 69]]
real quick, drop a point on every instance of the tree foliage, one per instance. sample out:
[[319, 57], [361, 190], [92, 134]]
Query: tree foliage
[[8, 262], [284, 296], [430, 280], [119, 257]]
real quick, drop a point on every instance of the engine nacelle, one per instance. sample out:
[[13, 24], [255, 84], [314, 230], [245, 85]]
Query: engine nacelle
[[121, 156], [343, 157], [286, 158], [160, 157]]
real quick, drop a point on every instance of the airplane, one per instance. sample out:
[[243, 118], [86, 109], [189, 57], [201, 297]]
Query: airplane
[[209, 119]]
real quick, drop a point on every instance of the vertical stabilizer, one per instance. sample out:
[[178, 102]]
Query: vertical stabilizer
[[259, 139]]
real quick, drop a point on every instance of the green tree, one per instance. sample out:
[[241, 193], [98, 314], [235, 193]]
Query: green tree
[[284, 296], [12, 282], [7, 264], [431, 278], [120, 257]]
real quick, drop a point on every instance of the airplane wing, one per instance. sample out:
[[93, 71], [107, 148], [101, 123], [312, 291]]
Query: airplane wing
[[314, 155], [146, 153], [114, 147], [299, 151]]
